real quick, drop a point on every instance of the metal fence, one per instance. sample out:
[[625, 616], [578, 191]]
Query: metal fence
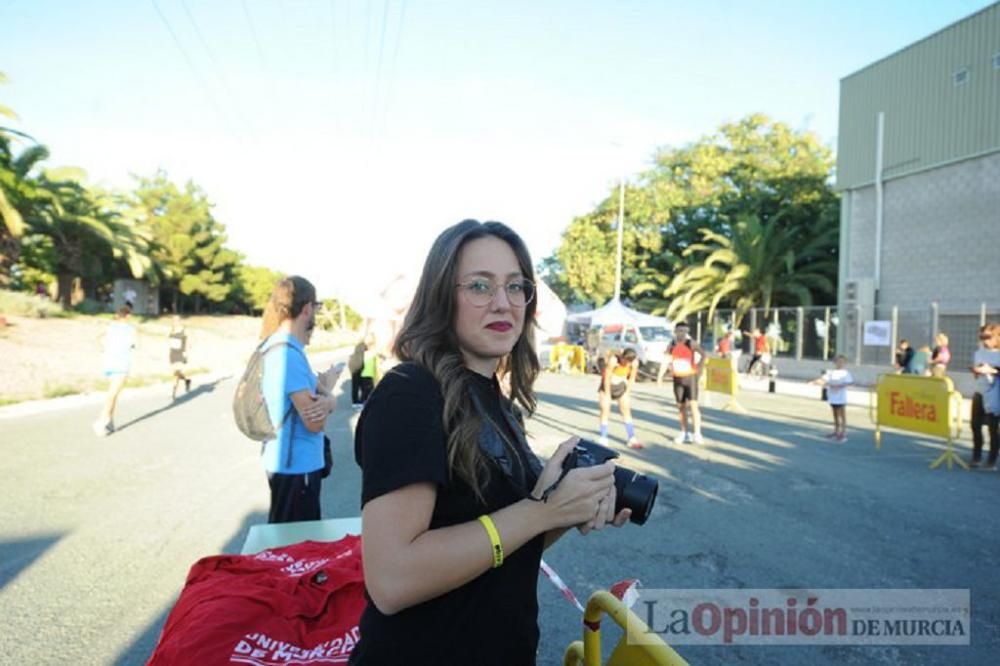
[[791, 332], [812, 333], [918, 326]]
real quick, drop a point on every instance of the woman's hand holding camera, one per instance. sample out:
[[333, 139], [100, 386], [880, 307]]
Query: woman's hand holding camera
[[584, 498]]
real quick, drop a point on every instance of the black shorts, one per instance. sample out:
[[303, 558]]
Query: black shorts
[[686, 389], [617, 390]]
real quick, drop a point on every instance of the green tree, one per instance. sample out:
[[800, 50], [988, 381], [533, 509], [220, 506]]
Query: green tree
[[16, 194], [334, 313], [759, 264], [85, 228], [189, 252], [254, 287], [754, 167], [11, 183], [583, 268]]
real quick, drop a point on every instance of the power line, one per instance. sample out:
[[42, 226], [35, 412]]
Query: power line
[[194, 70], [253, 35], [234, 101], [395, 55], [374, 112]]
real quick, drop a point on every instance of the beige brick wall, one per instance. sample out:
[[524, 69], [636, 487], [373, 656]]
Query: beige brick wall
[[941, 236]]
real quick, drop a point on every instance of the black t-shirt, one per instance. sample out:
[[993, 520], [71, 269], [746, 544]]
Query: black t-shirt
[[493, 619]]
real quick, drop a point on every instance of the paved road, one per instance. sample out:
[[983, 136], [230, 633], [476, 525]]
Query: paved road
[[97, 535]]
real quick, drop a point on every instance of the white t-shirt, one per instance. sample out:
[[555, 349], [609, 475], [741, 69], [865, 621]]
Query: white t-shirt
[[836, 386], [989, 357]]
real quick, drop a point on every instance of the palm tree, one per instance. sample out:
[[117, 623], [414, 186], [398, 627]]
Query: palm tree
[[758, 264], [11, 220], [84, 225]]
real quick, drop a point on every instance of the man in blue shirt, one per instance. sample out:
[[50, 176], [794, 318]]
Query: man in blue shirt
[[298, 402]]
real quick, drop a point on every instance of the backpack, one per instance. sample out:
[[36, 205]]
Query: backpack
[[249, 406]]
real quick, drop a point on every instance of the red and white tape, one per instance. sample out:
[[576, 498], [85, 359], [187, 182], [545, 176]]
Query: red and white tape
[[625, 590]]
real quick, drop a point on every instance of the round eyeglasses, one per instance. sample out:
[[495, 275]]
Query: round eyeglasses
[[480, 292]]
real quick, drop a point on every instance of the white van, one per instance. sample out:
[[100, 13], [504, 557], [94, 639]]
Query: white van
[[650, 343]]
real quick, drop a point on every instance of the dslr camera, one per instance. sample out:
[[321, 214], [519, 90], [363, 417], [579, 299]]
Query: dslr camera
[[633, 490]]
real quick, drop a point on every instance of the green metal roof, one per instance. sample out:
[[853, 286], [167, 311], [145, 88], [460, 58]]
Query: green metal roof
[[940, 96]]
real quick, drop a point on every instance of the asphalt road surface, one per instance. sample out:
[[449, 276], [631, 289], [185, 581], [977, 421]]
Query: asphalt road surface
[[97, 535]]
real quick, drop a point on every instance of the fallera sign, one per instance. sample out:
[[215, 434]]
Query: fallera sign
[[917, 404]]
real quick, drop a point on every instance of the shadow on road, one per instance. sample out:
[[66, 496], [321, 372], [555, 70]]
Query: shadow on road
[[18, 554], [202, 389], [142, 647]]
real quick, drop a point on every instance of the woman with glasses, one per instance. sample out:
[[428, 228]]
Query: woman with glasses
[[456, 508]]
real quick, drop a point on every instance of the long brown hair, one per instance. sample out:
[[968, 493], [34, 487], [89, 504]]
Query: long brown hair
[[428, 339], [289, 296]]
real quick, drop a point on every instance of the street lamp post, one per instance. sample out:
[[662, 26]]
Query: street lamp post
[[621, 227]]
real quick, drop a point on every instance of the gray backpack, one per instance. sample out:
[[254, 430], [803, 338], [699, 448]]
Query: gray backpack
[[249, 406]]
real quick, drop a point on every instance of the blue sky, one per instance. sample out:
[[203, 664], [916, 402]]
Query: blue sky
[[338, 138]]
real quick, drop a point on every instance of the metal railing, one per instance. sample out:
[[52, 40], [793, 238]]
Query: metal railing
[[799, 333], [812, 332]]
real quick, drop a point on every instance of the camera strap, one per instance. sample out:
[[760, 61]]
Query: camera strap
[[548, 491], [511, 454]]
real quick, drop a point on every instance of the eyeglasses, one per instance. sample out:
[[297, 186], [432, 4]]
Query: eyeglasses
[[480, 292]]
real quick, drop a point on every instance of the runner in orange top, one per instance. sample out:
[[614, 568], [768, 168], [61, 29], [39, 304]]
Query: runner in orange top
[[617, 377], [685, 357]]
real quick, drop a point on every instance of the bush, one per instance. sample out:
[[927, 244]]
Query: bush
[[28, 305], [89, 306]]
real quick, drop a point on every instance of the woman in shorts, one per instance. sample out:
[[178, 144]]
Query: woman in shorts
[[617, 378]]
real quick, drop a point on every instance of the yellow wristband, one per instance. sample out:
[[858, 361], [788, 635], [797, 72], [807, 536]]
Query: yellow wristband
[[495, 543]]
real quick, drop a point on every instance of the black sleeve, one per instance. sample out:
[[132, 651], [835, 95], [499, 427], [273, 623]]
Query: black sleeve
[[400, 439]]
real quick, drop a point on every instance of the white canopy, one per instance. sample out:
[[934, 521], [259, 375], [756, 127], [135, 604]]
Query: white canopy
[[615, 312], [550, 313]]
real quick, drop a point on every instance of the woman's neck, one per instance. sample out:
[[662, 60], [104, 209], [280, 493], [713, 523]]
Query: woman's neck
[[486, 367]]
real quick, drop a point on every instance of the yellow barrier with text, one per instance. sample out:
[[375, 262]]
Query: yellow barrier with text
[[925, 405], [721, 377], [638, 646]]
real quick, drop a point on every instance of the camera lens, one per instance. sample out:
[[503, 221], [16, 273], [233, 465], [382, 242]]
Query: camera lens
[[635, 491]]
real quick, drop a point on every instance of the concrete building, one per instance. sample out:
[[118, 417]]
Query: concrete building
[[918, 166]]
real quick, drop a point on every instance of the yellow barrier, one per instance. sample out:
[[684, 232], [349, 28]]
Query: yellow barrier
[[925, 405], [638, 646], [568, 358], [721, 377]]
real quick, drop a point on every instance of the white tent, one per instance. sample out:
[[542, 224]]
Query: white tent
[[550, 313], [615, 312]]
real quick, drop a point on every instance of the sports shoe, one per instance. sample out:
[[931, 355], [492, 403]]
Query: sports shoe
[[103, 429], [187, 385], [682, 438], [634, 443], [974, 463], [841, 438], [831, 435], [698, 439], [603, 440]]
